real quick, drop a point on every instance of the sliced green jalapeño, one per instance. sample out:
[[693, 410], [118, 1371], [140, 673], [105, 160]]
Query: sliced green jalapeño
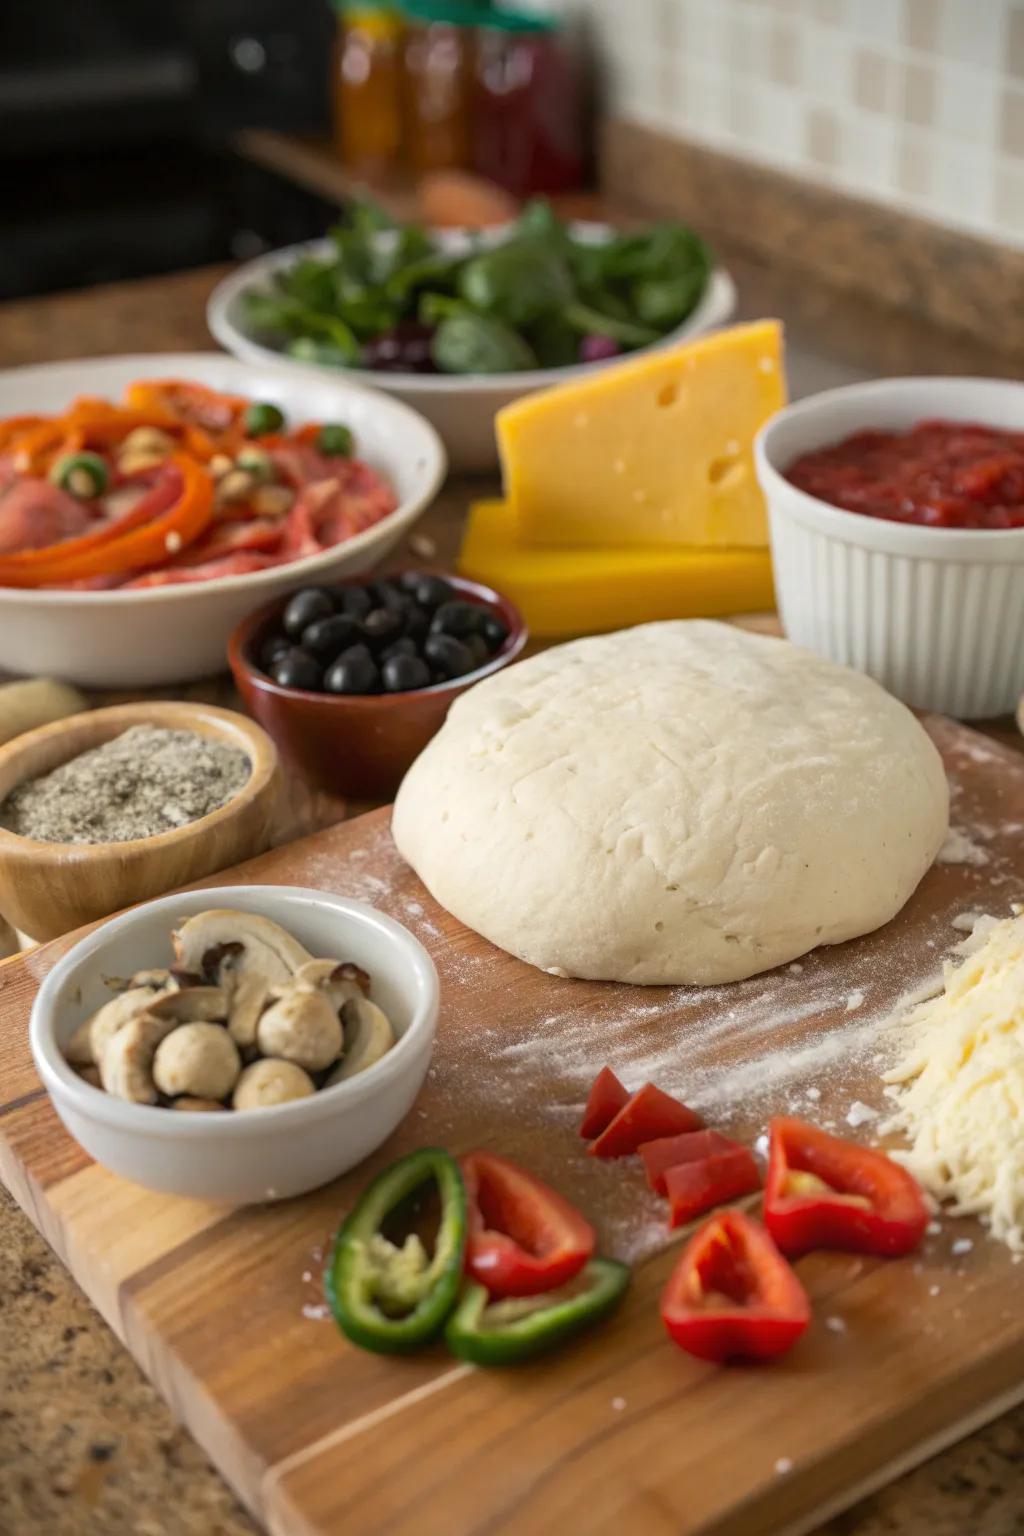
[[520, 1327], [392, 1295]]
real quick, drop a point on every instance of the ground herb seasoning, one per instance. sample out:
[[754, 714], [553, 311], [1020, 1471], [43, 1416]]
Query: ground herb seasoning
[[146, 781]]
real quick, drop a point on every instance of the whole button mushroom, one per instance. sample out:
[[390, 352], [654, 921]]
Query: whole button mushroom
[[301, 1027], [270, 1082], [198, 1060]]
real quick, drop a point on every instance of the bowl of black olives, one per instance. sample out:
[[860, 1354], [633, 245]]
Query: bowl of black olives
[[353, 680]]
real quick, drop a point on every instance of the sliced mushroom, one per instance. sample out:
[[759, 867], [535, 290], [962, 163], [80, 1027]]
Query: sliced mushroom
[[87, 1044], [242, 950], [158, 978], [91, 1075], [303, 1027], [198, 1106], [270, 1082], [197, 1059], [126, 1066], [368, 1037], [335, 981], [193, 1005]]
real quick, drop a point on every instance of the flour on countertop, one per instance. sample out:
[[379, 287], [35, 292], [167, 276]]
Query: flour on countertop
[[961, 848]]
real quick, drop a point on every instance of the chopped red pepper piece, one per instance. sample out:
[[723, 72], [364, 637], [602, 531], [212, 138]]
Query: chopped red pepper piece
[[696, 1187], [669, 1151], [648, 1115], [732, 1295], [523, 1237], [606, 1098], [822, 1192]]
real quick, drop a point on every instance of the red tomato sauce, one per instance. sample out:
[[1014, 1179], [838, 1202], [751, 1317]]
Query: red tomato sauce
[[941, 474]]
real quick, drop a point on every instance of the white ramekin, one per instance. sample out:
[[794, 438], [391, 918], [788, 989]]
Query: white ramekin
[[262, 1154], [936, 615]]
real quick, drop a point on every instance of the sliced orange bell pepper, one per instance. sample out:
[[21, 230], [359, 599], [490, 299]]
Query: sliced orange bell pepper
[[178, 508]]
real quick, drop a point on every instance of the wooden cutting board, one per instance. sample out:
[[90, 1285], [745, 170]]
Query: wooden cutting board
[[621, 1433]]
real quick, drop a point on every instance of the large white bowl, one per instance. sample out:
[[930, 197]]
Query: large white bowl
[[250, 1156], [462, 408], [936, 615], [177, 633]]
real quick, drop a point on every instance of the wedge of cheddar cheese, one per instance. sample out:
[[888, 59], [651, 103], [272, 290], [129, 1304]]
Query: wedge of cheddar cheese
[[654, 450], [564, 592]]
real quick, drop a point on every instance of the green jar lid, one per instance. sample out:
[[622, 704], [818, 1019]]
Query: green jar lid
[[345, 7], [449, 13], [518, 21]]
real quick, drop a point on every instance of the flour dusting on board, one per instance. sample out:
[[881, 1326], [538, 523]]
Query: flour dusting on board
[[961, 848]]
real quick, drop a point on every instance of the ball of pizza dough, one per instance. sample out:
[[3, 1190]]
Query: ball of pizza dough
[[682, 802]]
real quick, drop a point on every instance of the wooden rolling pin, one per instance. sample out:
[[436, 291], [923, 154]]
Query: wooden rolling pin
[[36, 701]]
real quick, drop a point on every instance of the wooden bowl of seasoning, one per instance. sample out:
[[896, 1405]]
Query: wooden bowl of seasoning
[[191, 790]]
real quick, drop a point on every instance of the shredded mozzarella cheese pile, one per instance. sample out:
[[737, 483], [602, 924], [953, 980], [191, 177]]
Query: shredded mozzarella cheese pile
[[959, 1087]]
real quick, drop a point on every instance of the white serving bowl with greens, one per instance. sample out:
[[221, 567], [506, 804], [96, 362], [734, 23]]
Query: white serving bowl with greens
[[462, 405]]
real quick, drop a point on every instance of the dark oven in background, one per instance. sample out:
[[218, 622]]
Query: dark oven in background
[[116, 120]]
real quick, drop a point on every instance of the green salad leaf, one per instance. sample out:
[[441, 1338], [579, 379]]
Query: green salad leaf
[[528, 301]]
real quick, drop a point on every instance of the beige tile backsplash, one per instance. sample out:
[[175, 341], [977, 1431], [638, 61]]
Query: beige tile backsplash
[[911, 102]]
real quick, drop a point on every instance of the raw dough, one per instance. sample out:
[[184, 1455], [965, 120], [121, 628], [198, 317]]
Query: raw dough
[[681, 802]]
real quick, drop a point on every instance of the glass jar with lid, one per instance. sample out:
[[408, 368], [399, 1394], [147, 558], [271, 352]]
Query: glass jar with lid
[[439, 53], [367, 87], [528, 104]]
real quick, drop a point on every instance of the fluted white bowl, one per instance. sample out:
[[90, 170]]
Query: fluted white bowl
[[936, 615]]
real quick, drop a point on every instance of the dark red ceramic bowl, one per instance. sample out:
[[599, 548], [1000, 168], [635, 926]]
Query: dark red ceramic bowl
[[349, 744]]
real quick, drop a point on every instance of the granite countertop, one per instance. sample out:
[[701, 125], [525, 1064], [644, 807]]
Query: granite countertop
[[86, 1445]]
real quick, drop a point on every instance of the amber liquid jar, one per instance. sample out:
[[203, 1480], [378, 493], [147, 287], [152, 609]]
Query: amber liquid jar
[[439, 56], [367, 90]]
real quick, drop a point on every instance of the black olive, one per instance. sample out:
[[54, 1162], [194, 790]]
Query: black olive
[[400, 673], [272, 650], [297, 669], [355, 601], [402, 647], [457, 619], [355, 671], [478, 648], [417, 623], [408, 580], [494, 630], [304, 609], [448, 655], [431, 591], [328, 637], [386, 594], [383, 625]]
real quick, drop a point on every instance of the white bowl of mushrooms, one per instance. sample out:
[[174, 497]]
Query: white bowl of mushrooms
[[239, 1044]]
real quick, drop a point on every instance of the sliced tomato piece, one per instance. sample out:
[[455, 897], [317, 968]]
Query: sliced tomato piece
[[669, 1151], [524, 1238], [824, 1192], [650, 1113], [606, 1098], [699, 1186], [732, 1295]]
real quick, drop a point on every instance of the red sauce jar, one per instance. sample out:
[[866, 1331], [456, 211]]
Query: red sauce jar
[[528, 105]]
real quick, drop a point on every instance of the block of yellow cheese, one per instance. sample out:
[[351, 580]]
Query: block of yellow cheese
[[654, 450], [579, 591]]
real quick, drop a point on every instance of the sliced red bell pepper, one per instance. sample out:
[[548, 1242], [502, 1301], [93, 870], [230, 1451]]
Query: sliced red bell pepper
[[606, 1098], [523, 1237], [699, 1186], [646, 1116], [669, 1151], [732, 1295], [823, 1192]]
